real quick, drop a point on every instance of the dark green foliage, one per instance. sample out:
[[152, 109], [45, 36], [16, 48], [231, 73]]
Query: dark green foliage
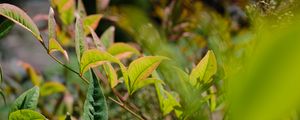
[[95, 107]]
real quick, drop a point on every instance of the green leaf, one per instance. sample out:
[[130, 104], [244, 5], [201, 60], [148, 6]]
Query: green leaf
[[55, 46], [66, 10], [18, 16], [167, 101], [206, 68], [26, 114], [122, 50], [95, 107], [111, 74], [142, 83], [51, 25], [91, 21], [5, 27], [97, 41], [28, 100], [94, 57], [81, 9], [35, 78], [141, 68], [108, 36], [50, 88], [79, 38]]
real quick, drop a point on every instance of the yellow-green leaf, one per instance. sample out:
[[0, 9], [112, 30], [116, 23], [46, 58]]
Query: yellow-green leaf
[[26, 114], [18, 16], [141, 68], [50, 88], [35, 78], [206, 68], [55, 46], [91, 21], [94, 57], [122, 50], [66, 9], [111, 74]]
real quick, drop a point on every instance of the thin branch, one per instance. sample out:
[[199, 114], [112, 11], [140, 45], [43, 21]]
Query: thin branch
[[126, 108], [65, 66]]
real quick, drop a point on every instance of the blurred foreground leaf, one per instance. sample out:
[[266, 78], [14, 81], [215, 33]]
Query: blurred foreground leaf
[[267, 88]]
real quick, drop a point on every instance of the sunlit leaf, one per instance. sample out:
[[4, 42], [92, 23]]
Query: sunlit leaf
[[5, 27], [79, 38], [122, 50], [91, 21], [111, 74], [94, 57], [95, 107], [206, 68], [28, 100], [108, 36], [35, 78], [49, 88], [141, 68], [55, 46], [66, 9], [26, 114], [18, 16]]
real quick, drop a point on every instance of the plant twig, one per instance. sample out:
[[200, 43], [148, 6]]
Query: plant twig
[[126, 108], [65, 66]]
